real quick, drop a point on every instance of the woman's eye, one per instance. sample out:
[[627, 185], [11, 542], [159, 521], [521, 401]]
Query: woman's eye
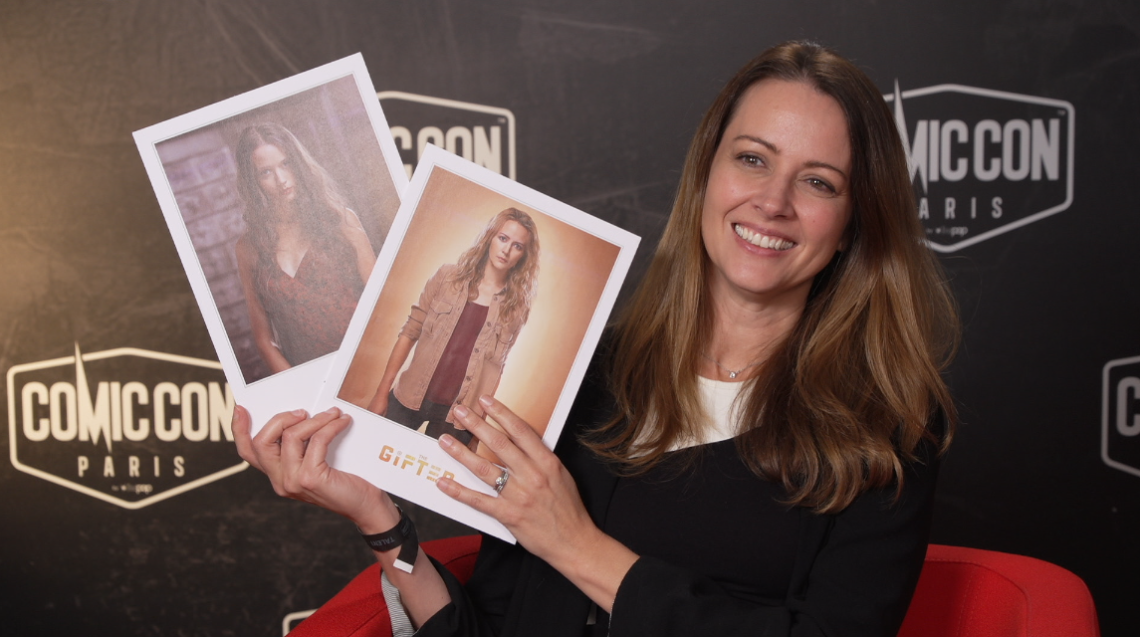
[[751, 160], [821, 185]]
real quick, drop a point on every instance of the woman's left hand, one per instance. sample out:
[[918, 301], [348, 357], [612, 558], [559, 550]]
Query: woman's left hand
[[540, 503]]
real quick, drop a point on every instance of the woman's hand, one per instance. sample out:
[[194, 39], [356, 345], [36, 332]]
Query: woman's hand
[[540, 503], [291, 450]]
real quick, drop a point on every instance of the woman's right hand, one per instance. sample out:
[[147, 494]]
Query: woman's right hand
[[291, 450]]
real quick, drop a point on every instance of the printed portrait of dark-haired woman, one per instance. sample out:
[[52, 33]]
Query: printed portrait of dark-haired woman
[[287, 205]]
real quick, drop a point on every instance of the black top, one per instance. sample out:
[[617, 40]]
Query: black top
[[852, 575], [711, 516]]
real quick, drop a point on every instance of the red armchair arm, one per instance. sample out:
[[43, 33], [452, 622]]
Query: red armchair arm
[[965, 592]]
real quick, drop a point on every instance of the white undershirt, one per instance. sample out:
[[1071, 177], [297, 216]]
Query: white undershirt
[[718, 398]]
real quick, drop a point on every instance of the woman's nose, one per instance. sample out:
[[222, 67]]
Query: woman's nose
[[773, 197]]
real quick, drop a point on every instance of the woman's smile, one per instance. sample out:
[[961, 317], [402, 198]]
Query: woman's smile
[[762, 240]]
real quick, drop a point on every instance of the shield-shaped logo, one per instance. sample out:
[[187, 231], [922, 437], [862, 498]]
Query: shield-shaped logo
[[984, 162], [482, 134], [128, 426], [1120, 424]]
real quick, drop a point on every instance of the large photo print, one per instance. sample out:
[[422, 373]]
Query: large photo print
[[493, 290], [279, 201]]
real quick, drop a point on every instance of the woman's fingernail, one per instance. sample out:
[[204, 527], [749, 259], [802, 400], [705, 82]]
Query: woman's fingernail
[[461, 411], [445, 485], [446, 441], [333, 411], [300, 413], [486, 400]]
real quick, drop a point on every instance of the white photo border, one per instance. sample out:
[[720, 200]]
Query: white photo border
[[299, 386], [402, 461]]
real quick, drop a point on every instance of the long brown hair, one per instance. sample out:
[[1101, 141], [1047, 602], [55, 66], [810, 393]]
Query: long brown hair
[[845, 399], [321, 205], [522, 280]]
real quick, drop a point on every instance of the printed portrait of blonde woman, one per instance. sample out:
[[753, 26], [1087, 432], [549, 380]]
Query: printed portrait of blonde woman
[[461, 330]]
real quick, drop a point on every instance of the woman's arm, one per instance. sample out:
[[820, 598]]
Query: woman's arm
[[409, 334], [354, 233], [400, 352], [291, 450], [258, 320]]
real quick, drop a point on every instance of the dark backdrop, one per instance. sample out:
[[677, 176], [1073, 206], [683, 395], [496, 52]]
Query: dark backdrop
[[605, 96]]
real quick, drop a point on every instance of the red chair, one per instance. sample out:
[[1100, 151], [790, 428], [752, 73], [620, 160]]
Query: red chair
[[974, 593], [962, 593]]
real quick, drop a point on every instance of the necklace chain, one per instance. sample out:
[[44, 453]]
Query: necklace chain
[[732, 374]]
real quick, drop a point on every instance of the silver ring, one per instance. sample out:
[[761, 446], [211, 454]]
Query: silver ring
[[501, 481]]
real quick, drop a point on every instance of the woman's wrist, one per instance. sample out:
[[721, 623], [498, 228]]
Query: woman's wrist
[[596, 564], [403, 536], [379, 517]]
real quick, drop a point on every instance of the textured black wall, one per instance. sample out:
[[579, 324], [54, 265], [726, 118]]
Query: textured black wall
[[606, 95]]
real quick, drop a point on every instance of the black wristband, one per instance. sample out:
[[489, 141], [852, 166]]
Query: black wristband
[[402, 535]]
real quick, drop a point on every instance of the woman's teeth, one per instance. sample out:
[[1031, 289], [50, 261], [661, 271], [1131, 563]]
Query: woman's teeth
[[762, 240]]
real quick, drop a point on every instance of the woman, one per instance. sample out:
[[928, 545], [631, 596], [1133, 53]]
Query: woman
[[304, 256], [465, 323], [754, 450]]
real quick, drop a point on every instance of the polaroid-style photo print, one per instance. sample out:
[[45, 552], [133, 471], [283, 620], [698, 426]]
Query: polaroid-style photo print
[[485, 287], [278, 201]]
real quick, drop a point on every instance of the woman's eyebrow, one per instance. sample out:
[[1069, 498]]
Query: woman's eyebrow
[[823, 164], [759, 140]]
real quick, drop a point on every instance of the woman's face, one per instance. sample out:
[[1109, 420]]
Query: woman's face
[[274, 173], [508, 246], [778, 200]]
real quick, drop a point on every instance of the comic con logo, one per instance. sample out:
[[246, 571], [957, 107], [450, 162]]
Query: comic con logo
[[127, 426], [1120, 425], [984, 162], [482, 134]]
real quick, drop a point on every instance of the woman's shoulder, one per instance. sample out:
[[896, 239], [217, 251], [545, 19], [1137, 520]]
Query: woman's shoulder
[[349, 219], [446, 272]]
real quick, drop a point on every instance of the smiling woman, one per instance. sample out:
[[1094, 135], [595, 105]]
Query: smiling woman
[[755, 447]]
